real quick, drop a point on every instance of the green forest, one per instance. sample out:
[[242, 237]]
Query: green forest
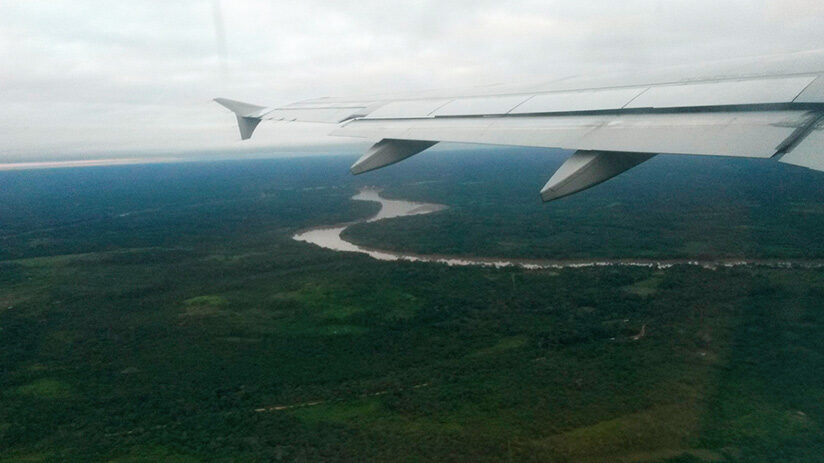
[[163, 313]]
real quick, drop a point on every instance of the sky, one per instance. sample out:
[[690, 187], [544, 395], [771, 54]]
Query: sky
[[85, 79]]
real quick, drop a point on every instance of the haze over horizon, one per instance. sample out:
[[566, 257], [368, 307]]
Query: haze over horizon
[[88, 79]]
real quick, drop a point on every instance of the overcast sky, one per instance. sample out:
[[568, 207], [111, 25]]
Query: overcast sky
[[83, 78]]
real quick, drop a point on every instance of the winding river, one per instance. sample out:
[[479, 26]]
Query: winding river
[[329, 237]]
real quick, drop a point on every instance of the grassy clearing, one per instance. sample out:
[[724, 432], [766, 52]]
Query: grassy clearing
[[372, 414], [334, 302], [204, 306], [666, 427], [646, 287], [46, 388], [503, 345], [350, 413], [27, 458]]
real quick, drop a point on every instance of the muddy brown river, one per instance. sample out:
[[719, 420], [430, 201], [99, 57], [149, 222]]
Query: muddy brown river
[[329, 237]]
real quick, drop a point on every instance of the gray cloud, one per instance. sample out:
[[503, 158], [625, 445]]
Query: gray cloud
[[96, 78]]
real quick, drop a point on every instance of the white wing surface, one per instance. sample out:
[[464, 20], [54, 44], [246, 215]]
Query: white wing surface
[[771, 107]]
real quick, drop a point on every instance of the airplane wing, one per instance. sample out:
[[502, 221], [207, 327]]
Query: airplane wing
[[771, 107]]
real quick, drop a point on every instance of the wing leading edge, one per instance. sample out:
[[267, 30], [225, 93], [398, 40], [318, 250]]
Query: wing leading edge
[[761, 108]]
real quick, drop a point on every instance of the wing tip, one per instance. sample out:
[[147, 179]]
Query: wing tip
[[240, 108], [248, 115]]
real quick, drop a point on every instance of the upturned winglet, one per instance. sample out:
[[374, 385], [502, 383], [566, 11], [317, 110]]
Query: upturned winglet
[[248, 115]]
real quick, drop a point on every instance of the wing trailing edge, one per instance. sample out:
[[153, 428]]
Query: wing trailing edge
[[808, 149]]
